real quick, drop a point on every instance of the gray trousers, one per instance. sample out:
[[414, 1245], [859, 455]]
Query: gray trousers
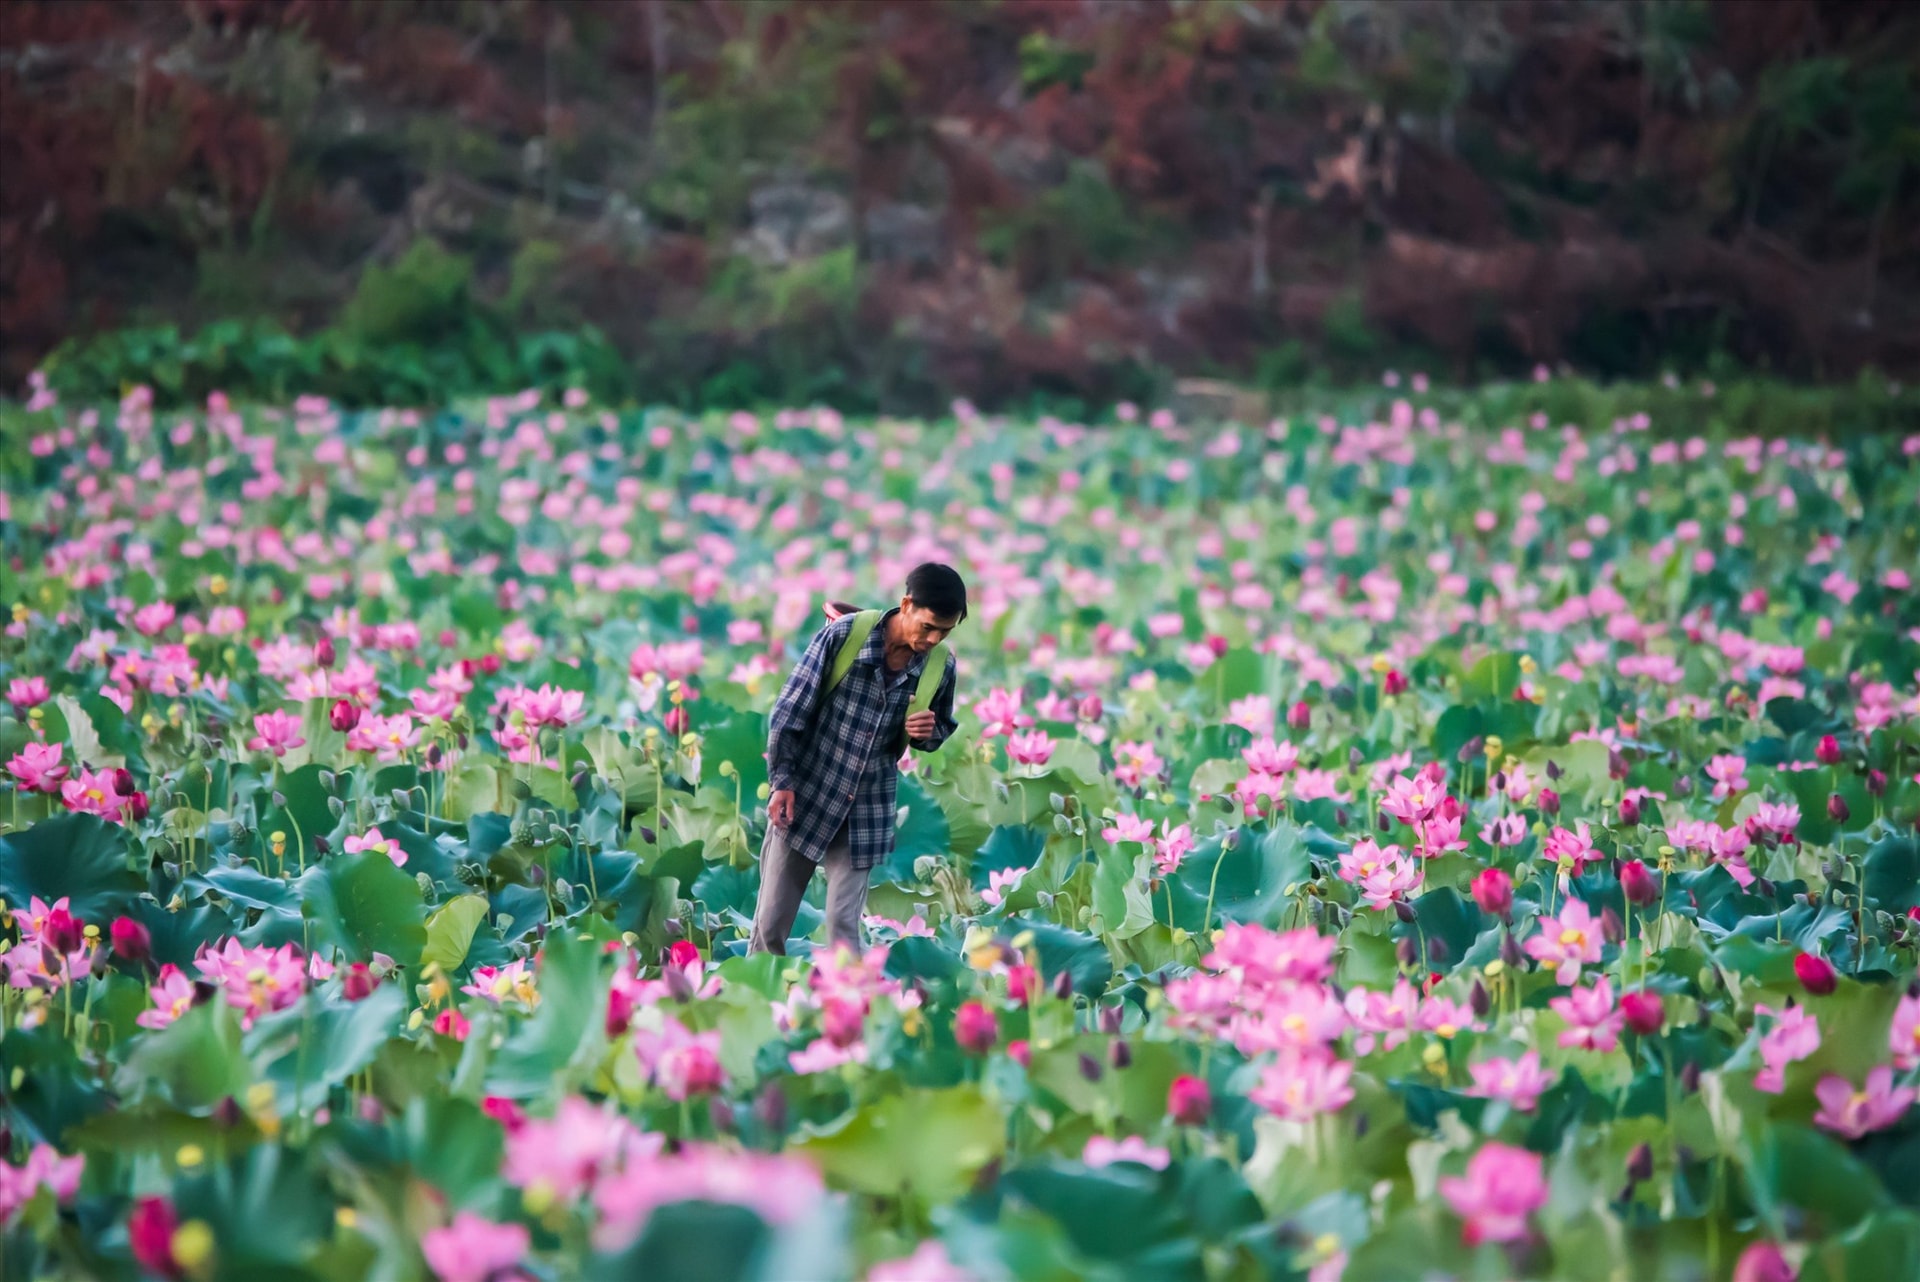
[[784, 875]]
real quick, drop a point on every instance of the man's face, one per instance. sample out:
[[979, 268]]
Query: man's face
[[923, 628]]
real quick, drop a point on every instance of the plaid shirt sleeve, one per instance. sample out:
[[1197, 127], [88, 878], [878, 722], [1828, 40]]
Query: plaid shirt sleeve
[[943, 723], [793, 710]]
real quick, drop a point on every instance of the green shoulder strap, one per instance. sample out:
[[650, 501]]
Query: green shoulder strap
[[850, 648], [930, 675]]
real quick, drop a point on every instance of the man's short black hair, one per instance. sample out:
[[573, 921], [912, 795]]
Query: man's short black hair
[[938, 588]]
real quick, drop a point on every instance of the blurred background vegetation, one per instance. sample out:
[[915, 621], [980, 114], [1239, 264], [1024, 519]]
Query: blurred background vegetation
[[883, 204]]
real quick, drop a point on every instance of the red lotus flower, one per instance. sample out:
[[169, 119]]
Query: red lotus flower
[[975, 1028], [1493, 891], [1816, 974], [1637, 881], [1645, 1012], [1189, 1102]]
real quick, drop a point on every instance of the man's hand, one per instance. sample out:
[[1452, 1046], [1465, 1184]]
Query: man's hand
[[780, 808], [920, 725]]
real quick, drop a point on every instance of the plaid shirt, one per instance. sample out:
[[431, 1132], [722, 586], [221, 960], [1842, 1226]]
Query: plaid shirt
[[837, 756]]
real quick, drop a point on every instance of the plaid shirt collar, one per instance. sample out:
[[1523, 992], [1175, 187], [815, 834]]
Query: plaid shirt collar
[[874, 653]]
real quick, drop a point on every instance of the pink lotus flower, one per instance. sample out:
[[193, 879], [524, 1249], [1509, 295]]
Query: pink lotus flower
[[1000, 714], [1570, 850], [1103, 1151], [778, 1188], [374, 841], [680, 1063], [499, 983], [1729, 774], [257, 981], [1568, 942], [1592, 1022], [172, 997], [44, 1168], [1904, 1036], [546, 706], [1172, 847], [38, 767], [1302, 1087], [473, 1249], [1000, 881], [27, 692], [1128, 827], [1502, 1187], [1852, 1113], [1033, 748], [1411, 800], [1517, 1081], [1269, 758], [275, 732], [928, 1263], [1134, 763], [1794, 1036], [569, 1152], [92, 793]]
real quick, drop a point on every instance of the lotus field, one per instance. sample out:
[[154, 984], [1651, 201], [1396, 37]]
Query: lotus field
[[1423, 840]]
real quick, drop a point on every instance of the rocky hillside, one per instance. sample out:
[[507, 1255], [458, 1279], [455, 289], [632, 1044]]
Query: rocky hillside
[[910, 198]]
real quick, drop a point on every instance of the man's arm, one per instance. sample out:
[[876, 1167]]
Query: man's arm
[[793, 710], [943, 723]]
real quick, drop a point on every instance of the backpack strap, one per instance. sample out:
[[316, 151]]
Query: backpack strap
[[850, 648]]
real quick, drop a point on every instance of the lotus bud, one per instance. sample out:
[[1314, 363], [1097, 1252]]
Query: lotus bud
[[1110, 1017], [1837, 808], [1479, 999], [1638, 883], [358, 983], [1616, 764], [343, 715], [1510, 952], [1189, 1101], [1639, 1163], [770, 1109], [1090, 1067], [720, 1113], [1683, 786], [1827, 752], [1816, 974], [1644, 1011], [1763, 1262], [1876, 783], [975, 1029], [1470, 749], [1091, 708], [1394, 683], [1493, 890], [1630, 812], [1063, 985], [323, 655], [228, 1114], [1610, 925], [1549, 802], [1119, 1054], [1690, 1076], [1406, 952], [137, 807], [122, 781], [1405, 911], [132, 941]]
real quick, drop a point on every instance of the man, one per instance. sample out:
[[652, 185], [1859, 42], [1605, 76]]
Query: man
[[833, 756]]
